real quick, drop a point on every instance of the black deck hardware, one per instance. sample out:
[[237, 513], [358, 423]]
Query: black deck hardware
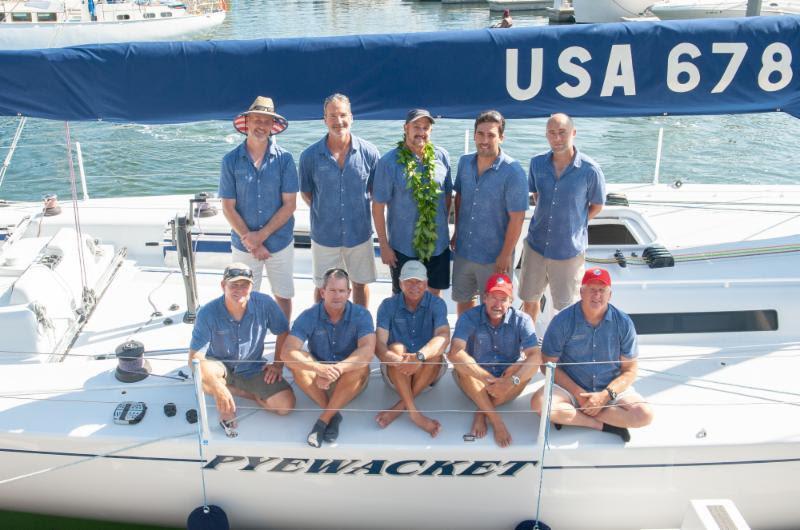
[[656, 257], [617, 199]]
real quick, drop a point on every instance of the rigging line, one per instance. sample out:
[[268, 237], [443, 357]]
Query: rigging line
[[94, 457], [705, 380], [551, 375], [76, 214], [729, 208], [12, 149], [256, 408]]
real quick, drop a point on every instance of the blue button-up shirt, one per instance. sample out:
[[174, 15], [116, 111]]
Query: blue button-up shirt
[[495, 348], [486, 202], [258, 192], [329, 342], [559, 227], [340, 210], [390, 187], [571, 339], [229, 340], [413, 329]]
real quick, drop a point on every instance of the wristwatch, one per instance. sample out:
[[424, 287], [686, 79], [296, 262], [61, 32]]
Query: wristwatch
[[611, 394], [515, 380], [420, 357]]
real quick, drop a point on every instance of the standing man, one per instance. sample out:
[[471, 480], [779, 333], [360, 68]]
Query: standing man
[[491, 200], [258, 187], [413, 182], [334, 176], [569, 189], [341, 343], [485, 354], [412, 335], [595, 344], [228, 339]]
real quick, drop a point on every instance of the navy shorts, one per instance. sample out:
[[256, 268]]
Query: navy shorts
[[438, 268]]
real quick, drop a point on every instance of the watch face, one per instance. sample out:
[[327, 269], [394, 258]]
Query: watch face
[[514, 380], [420, 357]]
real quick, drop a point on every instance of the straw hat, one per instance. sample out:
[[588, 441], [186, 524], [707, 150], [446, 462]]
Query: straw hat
[[262, 105]]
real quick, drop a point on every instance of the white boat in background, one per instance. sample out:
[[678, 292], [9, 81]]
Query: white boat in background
[[34, 24], [686, 9], [595, 11], [519, 5]]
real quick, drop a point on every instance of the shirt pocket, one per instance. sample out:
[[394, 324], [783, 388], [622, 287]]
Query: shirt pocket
[[220, 344], [400, 329]]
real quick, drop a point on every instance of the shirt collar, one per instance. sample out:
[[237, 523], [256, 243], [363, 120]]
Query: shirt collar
[[579, 314], [576, 159], [272, 149], [248, 310], [324, 150], [323, 315]]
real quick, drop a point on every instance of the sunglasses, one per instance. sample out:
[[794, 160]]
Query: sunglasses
[[336, 271], [233, 273]]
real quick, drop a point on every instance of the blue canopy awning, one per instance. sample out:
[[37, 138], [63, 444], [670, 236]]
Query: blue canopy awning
[[622, 69]]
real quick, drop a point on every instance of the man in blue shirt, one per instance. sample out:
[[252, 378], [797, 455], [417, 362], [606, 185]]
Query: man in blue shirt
[[412, 334], [485, 353], [341, 342], [391, 191], [228, 338], [335, 174], [258, 187], [595, 346], [491, 200], [569, 190]]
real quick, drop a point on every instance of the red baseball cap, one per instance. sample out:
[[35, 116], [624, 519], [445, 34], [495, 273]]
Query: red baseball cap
[[596, 274], [501, 283]]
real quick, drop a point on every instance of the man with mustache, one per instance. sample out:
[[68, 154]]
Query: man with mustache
[[258, 186], [392, 197], [335, 174], [494, 353]]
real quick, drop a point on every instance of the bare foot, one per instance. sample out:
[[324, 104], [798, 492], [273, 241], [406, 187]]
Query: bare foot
[[501, 434], [385, 417], [425, 423], [479, 428]]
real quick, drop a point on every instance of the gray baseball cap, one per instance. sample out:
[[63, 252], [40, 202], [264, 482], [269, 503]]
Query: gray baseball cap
[[413, 270], [415, 114]]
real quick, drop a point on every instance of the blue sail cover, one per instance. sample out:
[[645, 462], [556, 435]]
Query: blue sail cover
[[623, 69]]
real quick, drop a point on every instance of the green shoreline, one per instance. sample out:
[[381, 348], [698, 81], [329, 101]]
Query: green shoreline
[[30, 521]]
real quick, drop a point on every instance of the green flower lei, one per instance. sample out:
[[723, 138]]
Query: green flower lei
[[425, 191]]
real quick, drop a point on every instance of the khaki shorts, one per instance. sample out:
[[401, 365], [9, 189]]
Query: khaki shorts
[[280, 269], [254, 383], [385, 374], [358, 261], [563, 275], [469, 278]]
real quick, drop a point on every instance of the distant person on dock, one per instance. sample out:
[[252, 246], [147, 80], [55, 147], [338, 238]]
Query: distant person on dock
[[506, 21], [491, 200], [569, 189], [413, 190], [335, 175], [595, 346], [228, 339], [258, 186], [495, 354], [412, 335], [341, 343]]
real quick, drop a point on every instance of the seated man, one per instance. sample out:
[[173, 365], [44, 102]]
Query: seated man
[[412, 335], [596, 392], [485, 353], [341, 343], [228, 339]]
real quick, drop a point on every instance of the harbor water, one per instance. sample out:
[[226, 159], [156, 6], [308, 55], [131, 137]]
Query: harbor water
[[132, 159]]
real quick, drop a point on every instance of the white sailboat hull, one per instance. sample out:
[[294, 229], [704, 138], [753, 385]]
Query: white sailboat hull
[[596, 11], [22, 36], [683, 9]]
